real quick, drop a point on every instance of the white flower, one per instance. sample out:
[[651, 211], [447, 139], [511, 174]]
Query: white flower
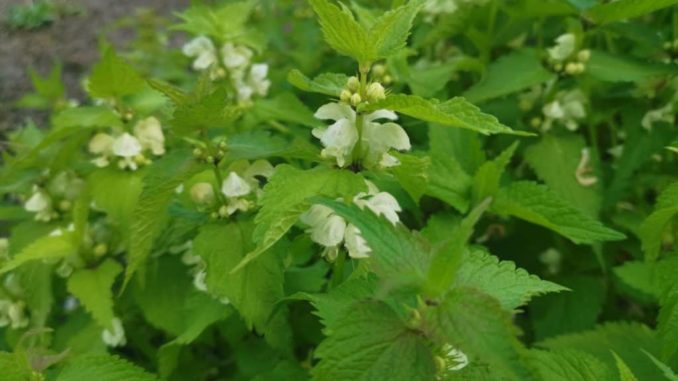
[[355, 243], [114, 337], [41, 204], [582, 173], [235, 186], [382, 203], [101, 144], [664, 114], [149, 133], [202, 193], [564, 47], [235, 57], [126, 145], [203, 49], [566, 109], [552, 259], [257, 79], [455, 358], [377, 139]]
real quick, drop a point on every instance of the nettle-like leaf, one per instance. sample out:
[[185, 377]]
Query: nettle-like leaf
[[286, 198], [150, 212], [92, 287], [412, 174], [625, 9], [118, 205], [653, 227], [336, 303], [386, 36], [667, 323], [369, 341], [487, 178], [103, 368], [625, 374], [510, 285], [112, 77], [47, 90], [45, 248], [538, 204], [511, 73], [15, 367], [476, 323], [668, 373], [566, 365], [327, 83], [456, 112], [224, 22]]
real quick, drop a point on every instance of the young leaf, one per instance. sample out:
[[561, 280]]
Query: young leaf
[[112, 77], [625, 9], [103, 368], [538, 204], [510, 285], [487, 178], [370, 342], [15, 367], [286, 198], [476, 324], [93, 289], [388, 34], [667, 324], [224, 22], [327, 83], [342, 32], [456, 112], [652, 228], [45, 248]]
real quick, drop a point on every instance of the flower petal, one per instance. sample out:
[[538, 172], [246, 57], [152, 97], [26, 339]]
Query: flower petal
[[335, 111]]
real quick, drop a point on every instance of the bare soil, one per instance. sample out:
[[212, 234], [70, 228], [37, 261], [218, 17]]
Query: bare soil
[[71, 40]]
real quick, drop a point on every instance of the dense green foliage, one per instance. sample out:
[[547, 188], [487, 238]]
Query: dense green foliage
[[355, 190]]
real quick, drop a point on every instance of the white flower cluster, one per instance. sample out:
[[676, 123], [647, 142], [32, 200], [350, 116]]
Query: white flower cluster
[[666, 114], [377, 139], [330, 230], [115, 336], [57, 196], [566, 109], [240, 188], [433, 8], [12, 309], [246, 78], [563, 56], [128, 149]]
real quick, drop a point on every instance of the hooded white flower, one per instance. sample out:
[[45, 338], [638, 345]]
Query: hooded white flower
[[236, 56], [235, 186], [12, 314], [115, 337], [567, 108], [258, 79], [203, 50], [101, 144], [149, 133], [341, 137], [41, 204], [127, 147], [202, 193], [564, 47]]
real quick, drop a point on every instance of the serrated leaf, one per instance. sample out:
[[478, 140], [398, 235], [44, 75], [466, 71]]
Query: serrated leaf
[[667, 324], [86, 116], [389, 32], [203, 111], [487, 179], [112, 77], [286, 198], [336, 303], [538, 204], [625, 9], [285, 107], [626, 339], [119, 205], [150, 212], [668, 373], [511, 73], [103, 368], [398, 256], [341, 31], [510, 285], [555, 160], [412, 174], [223, 22], [476, 324], [652, 229], [640, 276], [567, 365], [625, 374], [456, 112], [327, 83], [15, 367], [45, 248], [93, 289], [173, 93], [370, 342]]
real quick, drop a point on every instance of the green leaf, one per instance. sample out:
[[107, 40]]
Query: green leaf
[[625, 374], [613, 68], [626, 339], [412, 174], [555, 160], [521, 69], [285, 107], [668, 373], [390, 31], [103, 368], [86, 116], [93, 289], [204, 111], [47, 90], [45, 248], [223, 22], [449, 182], [538, 204], [641, 277], [150, 213], [119, 205], [398, 257], [567, 365], [487, 179], [476, 324], [370, 342], [112, 77], [337, 302], [254, 290], [625, 9], [510, 285], [652, 229], [15, 367], [456, 112], [327, 83], [667, 324], [286, 198]]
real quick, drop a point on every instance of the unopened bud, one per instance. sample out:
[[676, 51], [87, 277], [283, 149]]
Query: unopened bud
[[345, 96], [584, 55], [525, 104], [223, 211], [220, 73], [65, 205], [571, 68], [223, 145], [127, 116], [387, 80], [375, 92], [140, 159], [214, 215], [378, 70], [353, 83], [197, 153], [209, 159], [100, 250], [535, 122], [356, 99], [202, 193]]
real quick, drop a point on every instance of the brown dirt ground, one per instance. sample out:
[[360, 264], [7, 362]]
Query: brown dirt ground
[[71, 40]]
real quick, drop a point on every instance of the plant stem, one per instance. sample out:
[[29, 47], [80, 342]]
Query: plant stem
[[338, 270]]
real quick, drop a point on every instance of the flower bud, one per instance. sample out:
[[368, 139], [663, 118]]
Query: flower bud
[[197, 153], [222, 145], [581, 68], [375, 92], [100, 250], [584, 55], [202, 193], [209, 159], [571, 68], [65, 205], [127, 116], [535, 122], [387, 80], [356, 99], [140, 159], [223, 211], [353, 83], [379, 70], [525, 105], [345, 96]]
